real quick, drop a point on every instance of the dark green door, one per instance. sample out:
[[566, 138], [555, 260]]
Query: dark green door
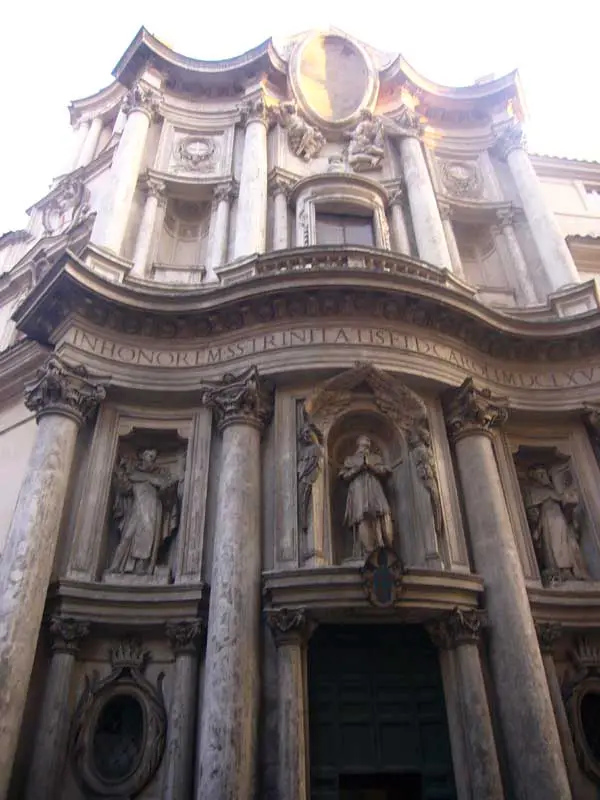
[[377, 712]]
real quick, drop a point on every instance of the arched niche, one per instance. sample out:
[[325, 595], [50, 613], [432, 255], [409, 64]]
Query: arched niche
[[366, 401]]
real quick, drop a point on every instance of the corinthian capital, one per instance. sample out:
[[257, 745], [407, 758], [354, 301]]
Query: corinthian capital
[[255, 109], [548, 634], [142, 97], [60, 388], [245, 398], [471, 410], [225, 191], [510, 138], [289, 626], [67, 633], [457, 627], [185, 636]]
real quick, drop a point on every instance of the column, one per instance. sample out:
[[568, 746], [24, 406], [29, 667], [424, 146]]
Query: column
[[524, 706], [279, 188], [251, 222], [548, 634], [556, 258], [62, 397], [140, 105], [218, 241], [81, 132], [50, 746], [179, 753], [291, 631], [446, 215], [86, 154], [155, 197], [517, 264], [460, 630], [426, 220], [228, 743], [399, 230]]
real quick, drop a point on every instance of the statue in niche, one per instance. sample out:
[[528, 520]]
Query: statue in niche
[[420, 444], [310, 464], [146, 510], [305, 141], [365, 150], [368, 513], [554, 519]]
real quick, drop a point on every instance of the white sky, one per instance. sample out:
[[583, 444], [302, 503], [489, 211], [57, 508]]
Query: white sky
[[54, 52]]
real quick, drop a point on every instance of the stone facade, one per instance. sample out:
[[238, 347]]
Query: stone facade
[[303, 351]]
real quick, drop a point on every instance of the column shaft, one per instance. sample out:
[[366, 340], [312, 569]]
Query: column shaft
[[280, 221], [455, 258], [399, 231], [147, 231], [219, 233], [88, 150], [251, 222], [426, 220], [517, 264]]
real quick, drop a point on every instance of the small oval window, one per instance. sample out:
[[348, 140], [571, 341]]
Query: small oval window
[[590, 721], [118, 738]]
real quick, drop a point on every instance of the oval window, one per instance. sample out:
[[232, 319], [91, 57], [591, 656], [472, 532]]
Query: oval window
[[118, 738], [590, 721]]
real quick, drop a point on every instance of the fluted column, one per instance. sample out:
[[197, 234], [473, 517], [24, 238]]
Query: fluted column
[[251, 221], [61, 397], [279, 187], [516, 260], [50, 745], [524, 706], [179, 754], [455, 259], [291, 631], [90, 143], [399, 231], [155, 198], [556, 258], [140, 105], [460, 630], [548, 634], [218, 241], [228, 742], [425, 214]]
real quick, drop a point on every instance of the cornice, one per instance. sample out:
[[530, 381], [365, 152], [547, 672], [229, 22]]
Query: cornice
[[94, 105], [332, 178], [14, 237], [18, 364], [565, 168]]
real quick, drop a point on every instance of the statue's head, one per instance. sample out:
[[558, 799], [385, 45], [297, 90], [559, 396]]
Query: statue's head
[[363, 443], [148, 457], [539, 474]]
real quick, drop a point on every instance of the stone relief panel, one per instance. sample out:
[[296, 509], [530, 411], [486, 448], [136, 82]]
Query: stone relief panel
[[555, 513], [461, 179], [68, 205], [195, 152]]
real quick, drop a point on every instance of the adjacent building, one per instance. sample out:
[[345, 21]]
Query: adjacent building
[[299, 441]]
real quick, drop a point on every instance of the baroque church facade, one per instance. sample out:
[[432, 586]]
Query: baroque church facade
[[300, 441]]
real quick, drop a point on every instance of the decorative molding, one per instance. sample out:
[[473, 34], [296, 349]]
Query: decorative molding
[[456, 627], [471, 410], [66, 633], [548, 634], [290, 626], [245, 399], [60, 388], [142, 97], [508, 138], [186, 636]]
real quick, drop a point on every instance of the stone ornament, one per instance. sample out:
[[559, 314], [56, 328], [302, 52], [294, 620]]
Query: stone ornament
[[142, 97], [471, 410], [146, 511], [309, 467], [241, 399], [225, 192], [456, 627], [60, 388], [365, 150], [581, 693], [461, 179], [119, 727], [304, 140], [66, 633], [508, 138], [256, 109], [185, 636], [154, 187], [69, 205], [382, 575], [289, 626], [194, 154], [548, 634]]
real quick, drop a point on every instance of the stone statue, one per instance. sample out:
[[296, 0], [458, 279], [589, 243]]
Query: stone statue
[[420, 443], [304, 140], [368, 513], [554, 519], [310, 464], [146, 510], [365, 150]]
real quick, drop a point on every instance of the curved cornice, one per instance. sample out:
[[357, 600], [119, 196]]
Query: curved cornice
[[96, 104], [333, 178]]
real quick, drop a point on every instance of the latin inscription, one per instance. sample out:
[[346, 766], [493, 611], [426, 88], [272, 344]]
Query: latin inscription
[[347, 336]]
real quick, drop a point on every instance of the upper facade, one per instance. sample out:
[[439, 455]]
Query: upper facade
[[184, 170]]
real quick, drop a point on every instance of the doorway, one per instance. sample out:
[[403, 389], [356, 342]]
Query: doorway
[[378, 728]]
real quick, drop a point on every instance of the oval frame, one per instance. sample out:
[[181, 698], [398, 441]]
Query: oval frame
[[588, 761]]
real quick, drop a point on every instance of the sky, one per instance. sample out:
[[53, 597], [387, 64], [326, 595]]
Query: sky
[[56, 52]]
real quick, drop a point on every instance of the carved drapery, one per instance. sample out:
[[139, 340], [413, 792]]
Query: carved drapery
[[472, 410], [60, 388]]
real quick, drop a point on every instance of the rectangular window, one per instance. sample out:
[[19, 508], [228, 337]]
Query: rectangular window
[[350, 229]]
